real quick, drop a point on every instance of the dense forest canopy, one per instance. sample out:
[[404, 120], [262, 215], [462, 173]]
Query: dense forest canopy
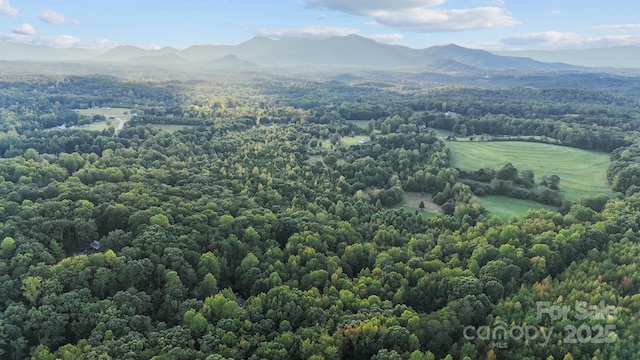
[[257, 231]]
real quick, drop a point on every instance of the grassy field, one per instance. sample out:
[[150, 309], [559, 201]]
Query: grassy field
[[363, 124], [582, 172], [99, 125], [107, 112], [412, 203], [353, 140], [360, 123], [442, 132], [171, 127], [505, 207], [103, 111]]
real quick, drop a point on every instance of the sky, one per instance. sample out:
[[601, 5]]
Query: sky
[[486, 24]]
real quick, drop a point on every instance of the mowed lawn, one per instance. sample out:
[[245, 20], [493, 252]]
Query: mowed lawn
[[582, 172], [103, 111], [171, 127], [505, 207], [364, 124], [347, 141], [106, 112], [411, 204], [99, 125]]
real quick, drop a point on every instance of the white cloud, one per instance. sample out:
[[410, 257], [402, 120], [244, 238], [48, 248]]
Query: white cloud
[[615, 27], [60, 41], [14, 37], [488, 2], [386, 38], [422, 15], [54, 17], [365, 7], [63, 41], [546, 38], [24, 29], [613, 40], [567, 40], [7, 9], [100, 44], [308, 31], [445, 20]]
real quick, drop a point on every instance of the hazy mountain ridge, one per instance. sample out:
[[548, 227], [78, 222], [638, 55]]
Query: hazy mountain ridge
[[450, 66], [349, 51], [616, 56], [487, 60], [162, 59], [231, 61], [10, 51], [128, 52]]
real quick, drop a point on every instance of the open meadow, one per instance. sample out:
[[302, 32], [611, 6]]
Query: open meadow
[[116, 117], [363, 124], [347, 141], [106, 111], [99, 125], [582, 172], [505, 207], [171, 127], [411, 204], [360, 123]]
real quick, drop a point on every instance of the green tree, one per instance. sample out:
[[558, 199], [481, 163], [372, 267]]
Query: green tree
[[208, 285], [507, 172], [159, 219], [7, 247], [31, 288], [196, 323], [551, 181]]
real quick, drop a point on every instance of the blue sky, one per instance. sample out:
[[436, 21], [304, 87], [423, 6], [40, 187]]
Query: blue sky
[[487, 24]]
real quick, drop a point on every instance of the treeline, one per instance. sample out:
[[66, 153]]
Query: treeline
[[55, 142], [624, 172], [507, 181], [565, 104], [82, 92], [589, 137]]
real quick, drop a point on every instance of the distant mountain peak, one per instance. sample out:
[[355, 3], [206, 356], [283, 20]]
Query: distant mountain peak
[[231, 61], [126, 48], [259, 39], [449, 46]]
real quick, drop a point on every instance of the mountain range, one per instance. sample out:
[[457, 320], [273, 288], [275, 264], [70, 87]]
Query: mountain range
[[348, 52], [615, 56]]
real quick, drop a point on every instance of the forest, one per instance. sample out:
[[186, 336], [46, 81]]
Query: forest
[[256, 233]]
